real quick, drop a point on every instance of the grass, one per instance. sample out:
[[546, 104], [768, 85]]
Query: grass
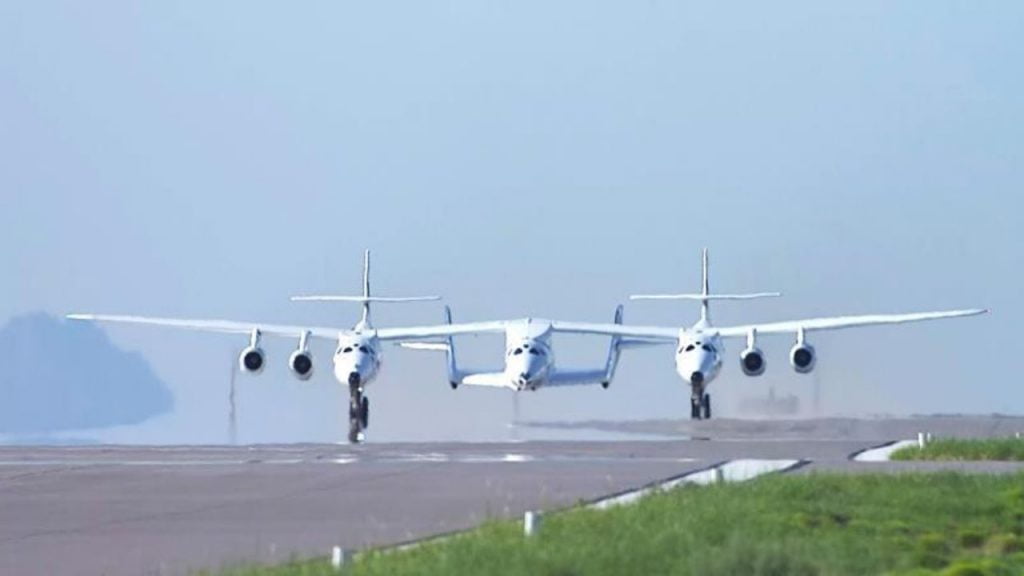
[[915, 524], [965, 449]]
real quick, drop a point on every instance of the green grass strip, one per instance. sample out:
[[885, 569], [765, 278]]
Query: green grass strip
[[913, 524], [1007, 449]]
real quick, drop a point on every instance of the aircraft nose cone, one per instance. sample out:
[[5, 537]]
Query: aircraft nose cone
[[697, 378]]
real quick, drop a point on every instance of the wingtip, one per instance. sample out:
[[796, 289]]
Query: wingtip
[[78, 316]]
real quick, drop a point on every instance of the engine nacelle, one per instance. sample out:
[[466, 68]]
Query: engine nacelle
[[803, 357], [252, 360], [752, 361], [301, 364]]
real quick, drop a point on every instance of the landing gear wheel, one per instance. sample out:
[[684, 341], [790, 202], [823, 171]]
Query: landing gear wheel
[[697, 402], [706, 406], [358, 413], [355, 400], [364, 413]]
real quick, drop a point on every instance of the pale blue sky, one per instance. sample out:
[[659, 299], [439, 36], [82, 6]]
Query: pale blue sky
[[538, 158]]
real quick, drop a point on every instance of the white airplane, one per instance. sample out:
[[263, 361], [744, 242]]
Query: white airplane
[[699, 348], [357, 358], [529, 355]]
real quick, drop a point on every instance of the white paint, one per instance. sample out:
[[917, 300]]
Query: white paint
[[531, 522], [884, 453], [732, 471], [340, 557]]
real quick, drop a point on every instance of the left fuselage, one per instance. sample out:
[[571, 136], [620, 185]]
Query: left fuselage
[[357, 359]]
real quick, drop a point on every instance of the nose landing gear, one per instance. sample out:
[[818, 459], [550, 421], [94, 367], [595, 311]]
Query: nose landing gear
[[700, 404], [358, 410]]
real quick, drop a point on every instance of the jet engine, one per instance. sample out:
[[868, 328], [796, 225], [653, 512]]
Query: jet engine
[[752, 359], [802, 355], [301, 364], [752, 362], [252, 360], [301, 361]]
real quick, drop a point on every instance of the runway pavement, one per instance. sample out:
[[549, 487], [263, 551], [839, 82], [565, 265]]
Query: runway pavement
[[171, 510]]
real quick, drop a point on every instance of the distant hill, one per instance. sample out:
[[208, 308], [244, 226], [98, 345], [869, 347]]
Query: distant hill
[[60, 375]]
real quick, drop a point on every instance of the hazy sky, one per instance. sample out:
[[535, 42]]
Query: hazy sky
[[521, 158]]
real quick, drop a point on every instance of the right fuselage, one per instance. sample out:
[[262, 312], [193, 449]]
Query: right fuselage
[[699, 358]]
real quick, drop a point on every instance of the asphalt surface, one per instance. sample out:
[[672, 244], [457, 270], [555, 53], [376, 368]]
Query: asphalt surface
[[174, 510]]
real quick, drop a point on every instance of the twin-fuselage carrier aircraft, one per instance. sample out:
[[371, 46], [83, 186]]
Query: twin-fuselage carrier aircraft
[[699, 349], [529, 355]]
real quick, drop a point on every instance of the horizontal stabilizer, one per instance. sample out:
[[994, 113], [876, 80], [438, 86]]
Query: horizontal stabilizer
[[709, 297], [365, 299]]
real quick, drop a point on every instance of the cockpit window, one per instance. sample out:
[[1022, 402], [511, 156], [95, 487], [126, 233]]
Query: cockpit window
[[707, 348], [535, 352], [690, 348], [347, 350], [517, 352]]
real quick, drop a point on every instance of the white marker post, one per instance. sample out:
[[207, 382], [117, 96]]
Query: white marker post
[[531, 523], [340, 557], [921, 440]]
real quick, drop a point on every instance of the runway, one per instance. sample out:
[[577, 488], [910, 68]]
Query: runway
[[171, 510]]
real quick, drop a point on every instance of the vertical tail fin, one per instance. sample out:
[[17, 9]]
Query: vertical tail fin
[[705, 313], [367, 298], [366, 287], [705, 296], [454, 378], [613, 352]]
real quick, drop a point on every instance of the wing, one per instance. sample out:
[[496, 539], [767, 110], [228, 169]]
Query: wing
[[441, 330], [840, 322], [488, 379], [639, 334], [222, 326]]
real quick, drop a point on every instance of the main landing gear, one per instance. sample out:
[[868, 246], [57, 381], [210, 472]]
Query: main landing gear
[[700, 404], [358, 410]]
